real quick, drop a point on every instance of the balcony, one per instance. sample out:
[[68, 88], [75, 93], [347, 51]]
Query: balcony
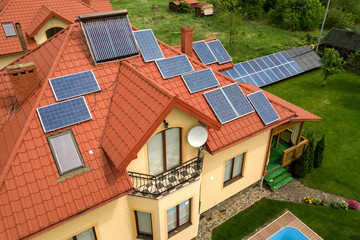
[[154, 186]]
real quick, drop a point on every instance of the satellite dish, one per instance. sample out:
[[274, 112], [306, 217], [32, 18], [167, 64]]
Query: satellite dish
[[197, 136]]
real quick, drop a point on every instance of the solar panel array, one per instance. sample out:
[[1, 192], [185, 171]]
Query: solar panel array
[[174, 66], [200, 80], [265, 70], [219, 51], [63, 114], [263, 107], [305, 57], [204, 53], [228, 103], [149, 47], [110, 38], [74, 85]]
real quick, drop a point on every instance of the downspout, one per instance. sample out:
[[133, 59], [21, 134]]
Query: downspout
[[21, 37]]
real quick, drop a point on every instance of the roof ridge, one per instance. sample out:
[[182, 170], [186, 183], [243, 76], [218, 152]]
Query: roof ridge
[[32, 111]]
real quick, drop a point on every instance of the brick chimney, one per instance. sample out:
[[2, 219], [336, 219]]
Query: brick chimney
[[24, 79], [187, 40]]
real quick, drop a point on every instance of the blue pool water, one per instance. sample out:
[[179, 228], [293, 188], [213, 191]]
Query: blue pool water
[[288, 233]]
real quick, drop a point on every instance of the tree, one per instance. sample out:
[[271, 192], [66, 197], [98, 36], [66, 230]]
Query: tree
[[311, 148], [230, 17], [333, 64], [300, 168], [355, 59], [319, 152]]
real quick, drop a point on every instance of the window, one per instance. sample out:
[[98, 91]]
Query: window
[[143, 225], [86, 235], [164, 150], [233, 169], [65, 151], [9, 29], [178, 217], [52, 31]]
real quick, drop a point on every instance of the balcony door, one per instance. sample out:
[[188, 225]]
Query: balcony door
[[164, 150]]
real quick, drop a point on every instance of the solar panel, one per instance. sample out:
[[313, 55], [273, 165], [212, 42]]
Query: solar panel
[[149, 47], [226, 73], [219, 51], [63, 114], [254, 65], [268, 62], [264, 77], [274, 60], [74, 85], [220, 105], [110, 38], [247, 67], [204, 53], [263, 107], [174, 66], [234, 74], [261, 63], [240, 70], [257, 79], [200, 80], [238, 99]]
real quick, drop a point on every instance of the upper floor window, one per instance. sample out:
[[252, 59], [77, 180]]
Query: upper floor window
[[233, 169], [178, 217], [86, 235], [164, 150], [9, 29], [143, 225], [52, 31], [65, 151]]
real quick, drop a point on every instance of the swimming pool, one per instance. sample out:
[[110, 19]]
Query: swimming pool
[[288, 233]]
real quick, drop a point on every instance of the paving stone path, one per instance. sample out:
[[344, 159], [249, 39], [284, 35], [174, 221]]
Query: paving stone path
[[293, 191]]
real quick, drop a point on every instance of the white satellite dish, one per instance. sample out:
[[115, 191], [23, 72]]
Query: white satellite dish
[[197, 136]]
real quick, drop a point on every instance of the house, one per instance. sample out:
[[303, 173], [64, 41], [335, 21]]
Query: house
[[344, 41], [27, 24], [95, 135]]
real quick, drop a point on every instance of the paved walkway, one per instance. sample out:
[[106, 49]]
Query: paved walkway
[[293, 191]]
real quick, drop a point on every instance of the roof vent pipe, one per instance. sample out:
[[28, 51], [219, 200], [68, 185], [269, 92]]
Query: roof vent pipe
[[187, 40], [21, 37]]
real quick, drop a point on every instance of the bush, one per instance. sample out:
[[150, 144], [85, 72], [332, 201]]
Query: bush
[[344, 205], [308, 199], [184, 7], [355, 59], [317, 201], [353, 204], [311, 147], [251, 9], [324, 202], [335, 204], [319, 152], [298, 14], [339, 19], [300, 166]]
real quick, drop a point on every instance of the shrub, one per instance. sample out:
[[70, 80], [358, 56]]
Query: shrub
[[319, 152], [344, 205], [324, 202], [339, 19], [251, 9], [335, 204], [317, 201], [311, 147], [355, 59], [308, 199], [297, 14], [300, 166], [184, 7], [353, 204]]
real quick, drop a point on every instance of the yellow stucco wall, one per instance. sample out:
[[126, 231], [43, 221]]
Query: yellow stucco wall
[[40, 37], [111, 221], [8, 59], [212, 190]]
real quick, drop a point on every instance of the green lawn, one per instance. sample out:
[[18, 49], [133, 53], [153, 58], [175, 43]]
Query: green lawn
[[338, 103], [329, 223]]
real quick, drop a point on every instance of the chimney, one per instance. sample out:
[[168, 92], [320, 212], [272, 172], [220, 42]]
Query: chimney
[[187, 40], [24, 79]]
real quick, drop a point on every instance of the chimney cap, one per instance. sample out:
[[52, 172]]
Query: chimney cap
[[19, 66]]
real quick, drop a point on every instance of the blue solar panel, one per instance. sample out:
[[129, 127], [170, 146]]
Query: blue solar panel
[[257, 79], [200, 80], [290, 69], [174, 66], [279, 74], [287, 56], [248, 79], [204, 52], [74, 85], [226, 73], [219, 51], [280, 58], [268, 61], [64, 114], [264, 77], [296, 66], [234, 74], [237, 99], [240, 70], [254, 65], [240, 79], [149, 47], [271, 75], [220, 105], [274, 60], [110, 38], [247, 67], [284, 71], [261, 63], [263, 107]]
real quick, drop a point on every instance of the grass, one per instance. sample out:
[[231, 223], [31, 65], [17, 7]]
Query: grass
[[329, 223], [337, 104]]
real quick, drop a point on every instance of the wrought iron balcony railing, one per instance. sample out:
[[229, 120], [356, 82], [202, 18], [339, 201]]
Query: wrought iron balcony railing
[[156, 185]]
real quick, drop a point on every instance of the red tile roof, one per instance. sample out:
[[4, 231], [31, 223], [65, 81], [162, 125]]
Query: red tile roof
[[33, 14], [132, 104]]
